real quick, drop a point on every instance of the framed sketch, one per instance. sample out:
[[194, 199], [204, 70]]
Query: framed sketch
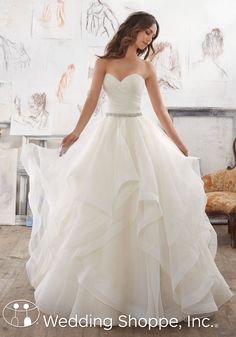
[[31, 115]]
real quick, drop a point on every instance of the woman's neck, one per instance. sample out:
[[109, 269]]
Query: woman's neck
[[131, 53]]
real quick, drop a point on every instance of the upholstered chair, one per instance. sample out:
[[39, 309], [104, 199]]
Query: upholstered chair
[[220, 188]]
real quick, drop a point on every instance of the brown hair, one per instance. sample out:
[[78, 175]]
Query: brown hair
[[127, 33]]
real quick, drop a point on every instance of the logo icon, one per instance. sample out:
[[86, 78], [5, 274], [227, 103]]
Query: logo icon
[[21, 313]]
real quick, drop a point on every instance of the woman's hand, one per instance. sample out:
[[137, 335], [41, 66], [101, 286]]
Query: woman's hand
[[68, 141]]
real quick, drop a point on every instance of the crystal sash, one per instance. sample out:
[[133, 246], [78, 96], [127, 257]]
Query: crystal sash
[[124, 114]]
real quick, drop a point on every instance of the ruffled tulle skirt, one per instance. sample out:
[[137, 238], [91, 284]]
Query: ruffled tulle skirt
[[119, 226]]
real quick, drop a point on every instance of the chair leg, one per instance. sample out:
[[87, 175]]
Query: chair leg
[[229, 228], [232, 225]]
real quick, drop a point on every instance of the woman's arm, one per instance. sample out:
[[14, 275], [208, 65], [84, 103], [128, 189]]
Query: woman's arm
[[89, 105], [159, 108], [93, 95]]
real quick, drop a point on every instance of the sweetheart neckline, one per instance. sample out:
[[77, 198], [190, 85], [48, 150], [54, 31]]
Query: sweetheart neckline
[[120, 81]]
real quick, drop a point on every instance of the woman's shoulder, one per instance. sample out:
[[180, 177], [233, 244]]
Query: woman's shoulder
[[147, 64], [148, 67], [100, 62]]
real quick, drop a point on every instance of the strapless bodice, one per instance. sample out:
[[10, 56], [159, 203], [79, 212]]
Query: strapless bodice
[[124, 97]]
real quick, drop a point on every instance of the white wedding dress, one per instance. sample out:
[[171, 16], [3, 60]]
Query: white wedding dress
[[119, 222]]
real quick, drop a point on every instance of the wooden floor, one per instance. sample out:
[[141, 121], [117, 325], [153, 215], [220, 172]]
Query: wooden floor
[[14, 285]]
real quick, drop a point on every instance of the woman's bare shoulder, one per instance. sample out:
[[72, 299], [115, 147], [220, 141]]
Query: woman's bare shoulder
[[101, 63], [149, 68]]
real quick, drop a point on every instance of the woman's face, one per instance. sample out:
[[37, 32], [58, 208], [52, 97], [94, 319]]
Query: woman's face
[[145, 37]]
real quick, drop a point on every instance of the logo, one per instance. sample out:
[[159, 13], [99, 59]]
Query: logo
[[21, 313]]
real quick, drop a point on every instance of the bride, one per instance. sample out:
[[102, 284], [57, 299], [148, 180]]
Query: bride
[[119, 222]]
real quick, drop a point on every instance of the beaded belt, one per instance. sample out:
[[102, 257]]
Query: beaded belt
[[124, 115]]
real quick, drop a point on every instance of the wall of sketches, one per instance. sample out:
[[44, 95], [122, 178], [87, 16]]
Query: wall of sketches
[[47, 55]]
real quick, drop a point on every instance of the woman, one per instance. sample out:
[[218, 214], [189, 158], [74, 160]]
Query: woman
[[119, 220]]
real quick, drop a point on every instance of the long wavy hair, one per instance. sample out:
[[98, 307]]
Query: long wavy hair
[[127, 33]]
